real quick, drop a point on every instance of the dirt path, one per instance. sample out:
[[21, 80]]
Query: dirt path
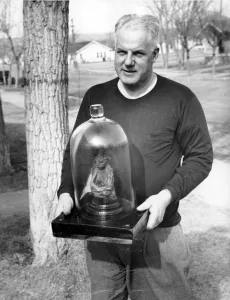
[[16, 98], [215, 189]]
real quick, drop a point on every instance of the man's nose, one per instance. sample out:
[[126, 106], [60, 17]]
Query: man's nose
[[129, 59]]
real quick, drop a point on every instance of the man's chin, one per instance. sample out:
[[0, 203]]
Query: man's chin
[[128, 81]]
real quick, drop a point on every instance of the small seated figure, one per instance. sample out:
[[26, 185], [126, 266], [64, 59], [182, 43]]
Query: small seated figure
[[101, 180]]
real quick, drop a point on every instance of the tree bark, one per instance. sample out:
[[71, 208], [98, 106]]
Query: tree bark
[[10, 75], [166, 46], [5, 165], [17, 73], [3, 73], [15, 55], [213, 60], [166, 57], [188, 61], [178, 55], [182, 55], [162, 54], [46, 94]]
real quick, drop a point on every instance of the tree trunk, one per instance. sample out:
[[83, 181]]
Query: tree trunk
[[213, 60], [3, 73], [10, 76], [182, 55], [166, 57], [46, 95], [178, 54], [188, 62], [5, 165], [162, 53], [166, 47], [17, 73]]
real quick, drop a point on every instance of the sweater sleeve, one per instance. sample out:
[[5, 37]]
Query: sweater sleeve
[[66, 185], [196, 147]]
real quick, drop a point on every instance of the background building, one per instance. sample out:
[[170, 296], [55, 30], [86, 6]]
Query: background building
[[94, 52]]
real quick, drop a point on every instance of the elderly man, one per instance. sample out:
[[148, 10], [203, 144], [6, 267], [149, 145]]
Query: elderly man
[[163, 121]]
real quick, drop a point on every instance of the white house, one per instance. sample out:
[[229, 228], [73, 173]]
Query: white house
[[94, 52]]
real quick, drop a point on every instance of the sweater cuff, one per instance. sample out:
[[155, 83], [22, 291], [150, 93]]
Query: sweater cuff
[[66, 189], [173, 192]]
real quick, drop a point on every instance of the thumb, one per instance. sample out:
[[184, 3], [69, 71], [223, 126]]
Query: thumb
[[59, 209], [145, 205]]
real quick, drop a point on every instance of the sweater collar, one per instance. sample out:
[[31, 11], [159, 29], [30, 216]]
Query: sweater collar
[[124, 92]]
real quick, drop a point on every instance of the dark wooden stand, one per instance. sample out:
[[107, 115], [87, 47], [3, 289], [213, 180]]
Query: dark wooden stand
[[123, 231]]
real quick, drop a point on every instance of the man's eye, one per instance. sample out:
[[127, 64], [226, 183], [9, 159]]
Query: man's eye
[[139, 54], [120, 52]]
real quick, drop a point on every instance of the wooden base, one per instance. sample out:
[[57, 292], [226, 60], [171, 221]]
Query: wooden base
[[123, 231]]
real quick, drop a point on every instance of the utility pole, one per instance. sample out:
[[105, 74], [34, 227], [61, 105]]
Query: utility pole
[[221, 7], [73, 34]]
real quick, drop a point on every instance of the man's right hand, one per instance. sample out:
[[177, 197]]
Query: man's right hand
[[65, 204]]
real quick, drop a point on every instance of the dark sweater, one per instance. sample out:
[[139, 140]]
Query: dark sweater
[[162, 126]]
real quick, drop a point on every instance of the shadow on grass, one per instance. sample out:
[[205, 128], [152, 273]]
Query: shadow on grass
[[209, 274], [17, 141], [18, 155], [15, 243]]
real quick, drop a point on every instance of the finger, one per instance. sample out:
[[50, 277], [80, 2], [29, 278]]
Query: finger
[[145, 205], [59, 210], [67, 209], [152, 221]]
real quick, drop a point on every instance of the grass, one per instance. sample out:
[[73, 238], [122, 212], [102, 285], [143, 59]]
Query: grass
[[15, 245], [20, 280], [18, 156], [208, 233], [220, 135]]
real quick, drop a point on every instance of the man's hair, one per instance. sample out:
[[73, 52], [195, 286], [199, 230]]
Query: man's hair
[[134, 21]]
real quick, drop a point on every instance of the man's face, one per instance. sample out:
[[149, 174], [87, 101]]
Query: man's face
[[134, 57]]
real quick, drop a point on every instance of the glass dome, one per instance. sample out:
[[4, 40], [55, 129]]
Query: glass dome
[[101, 169]]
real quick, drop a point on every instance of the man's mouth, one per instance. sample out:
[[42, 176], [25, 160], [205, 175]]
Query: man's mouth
[[129, 71]]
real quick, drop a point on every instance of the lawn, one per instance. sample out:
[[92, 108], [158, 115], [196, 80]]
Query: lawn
[[207, 228]]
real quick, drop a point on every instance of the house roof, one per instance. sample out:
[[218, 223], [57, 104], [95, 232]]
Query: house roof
[[210, 24], [73, 47], [91, 43]]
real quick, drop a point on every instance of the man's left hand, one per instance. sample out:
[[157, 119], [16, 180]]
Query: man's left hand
[[156, 205]]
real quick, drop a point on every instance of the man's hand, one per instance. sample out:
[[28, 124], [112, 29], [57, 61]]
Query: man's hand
[[65, 204], [156, 205]]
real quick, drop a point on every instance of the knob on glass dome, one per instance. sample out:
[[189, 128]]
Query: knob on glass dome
[[96, 111]]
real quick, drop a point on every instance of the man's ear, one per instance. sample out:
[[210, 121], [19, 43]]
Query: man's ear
[[155, 54]]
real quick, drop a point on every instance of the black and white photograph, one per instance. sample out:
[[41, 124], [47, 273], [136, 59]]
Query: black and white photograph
[[114, 149]]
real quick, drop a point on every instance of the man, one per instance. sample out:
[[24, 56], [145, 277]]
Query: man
[[163, 121]]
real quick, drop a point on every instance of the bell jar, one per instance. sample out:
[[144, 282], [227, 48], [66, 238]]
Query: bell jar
[[101, 169]]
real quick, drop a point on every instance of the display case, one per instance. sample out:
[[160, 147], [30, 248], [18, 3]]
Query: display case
[[105, 207], [101, 169]]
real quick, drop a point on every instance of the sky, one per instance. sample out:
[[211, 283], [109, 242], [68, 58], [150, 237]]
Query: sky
[[98, 16]]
